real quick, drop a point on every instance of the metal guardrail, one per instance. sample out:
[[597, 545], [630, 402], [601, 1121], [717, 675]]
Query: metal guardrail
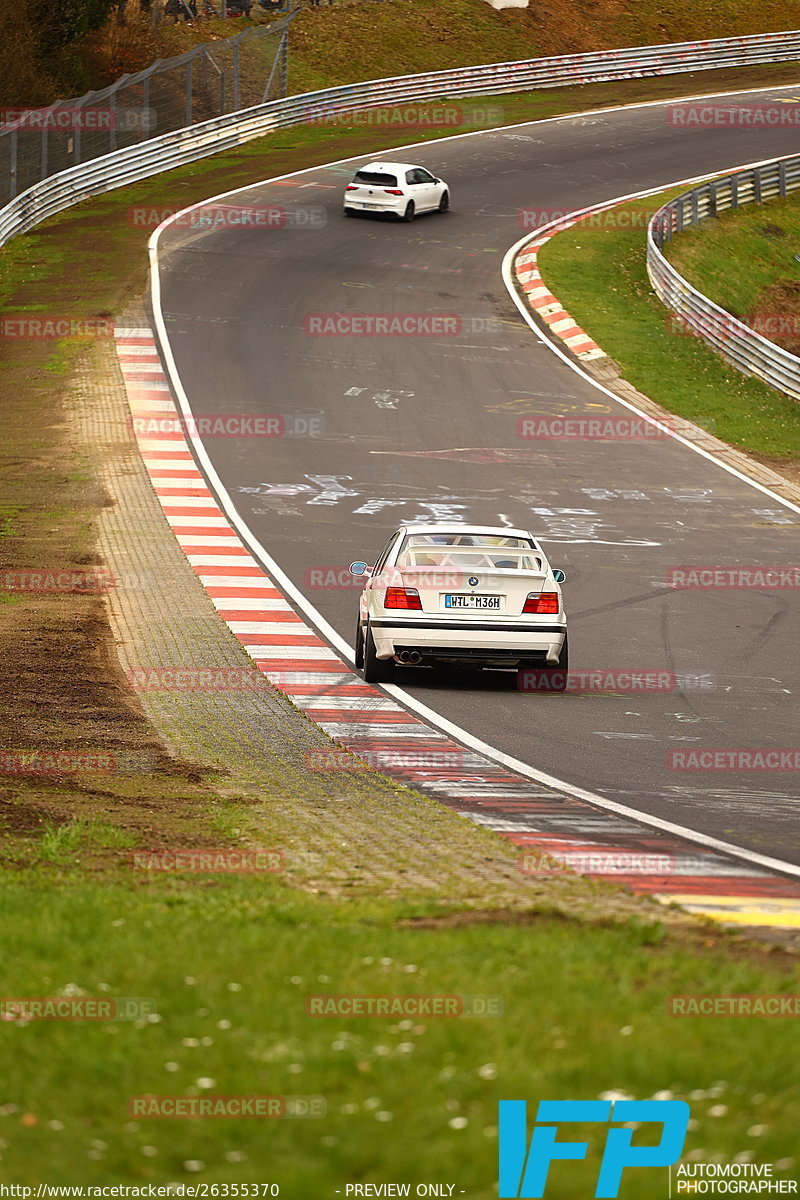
[[150, 157], [740, 345]]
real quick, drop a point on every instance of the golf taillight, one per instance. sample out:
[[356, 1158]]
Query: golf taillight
[[352, 187], [402, 598], [541, 602], [394, 191]]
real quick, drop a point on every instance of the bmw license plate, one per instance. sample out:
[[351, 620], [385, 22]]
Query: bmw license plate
[[471, 601]]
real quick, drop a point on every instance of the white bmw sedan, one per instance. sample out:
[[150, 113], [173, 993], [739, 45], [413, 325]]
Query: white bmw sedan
[[477, 595], [398, 189]]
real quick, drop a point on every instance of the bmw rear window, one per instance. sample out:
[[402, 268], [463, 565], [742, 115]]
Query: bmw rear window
[[378, 177]]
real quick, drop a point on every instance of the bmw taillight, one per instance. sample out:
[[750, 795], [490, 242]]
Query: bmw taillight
[[397, 597], [394, 191], [542, 602]]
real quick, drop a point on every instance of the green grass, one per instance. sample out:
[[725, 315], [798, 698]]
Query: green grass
[[363, 41], [739, 258], [228, 964], [60, 844], [598, 273]]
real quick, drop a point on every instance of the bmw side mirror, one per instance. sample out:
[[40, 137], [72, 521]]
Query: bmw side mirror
[[358, 568], [559, 576]]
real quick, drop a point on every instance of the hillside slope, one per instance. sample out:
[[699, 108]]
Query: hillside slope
[[362, 41]]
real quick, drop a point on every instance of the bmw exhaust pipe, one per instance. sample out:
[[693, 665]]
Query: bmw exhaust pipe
[[410, 657]]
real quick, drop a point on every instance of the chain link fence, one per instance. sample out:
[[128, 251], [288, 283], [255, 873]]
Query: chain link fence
[[214, 78]]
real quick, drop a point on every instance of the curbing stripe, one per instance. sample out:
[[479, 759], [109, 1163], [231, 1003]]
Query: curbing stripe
[[546, 306]]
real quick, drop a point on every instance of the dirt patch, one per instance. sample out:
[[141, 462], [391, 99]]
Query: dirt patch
[[789, 468]]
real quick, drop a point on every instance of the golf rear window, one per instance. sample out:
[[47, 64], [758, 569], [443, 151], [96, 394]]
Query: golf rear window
[[378, 177]]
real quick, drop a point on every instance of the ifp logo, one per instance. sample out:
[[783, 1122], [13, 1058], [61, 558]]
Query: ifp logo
[[524, 1169]]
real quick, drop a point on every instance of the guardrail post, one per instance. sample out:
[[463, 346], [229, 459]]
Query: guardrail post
[[189, 91], [679, 215], [237, 102], [145, 108], [712, 199], [12, 182], [782, 178], [734, 192], [283, 51], [695, 207], [112, 128], [757, 185]]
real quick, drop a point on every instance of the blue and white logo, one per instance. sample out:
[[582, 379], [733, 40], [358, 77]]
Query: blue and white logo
[[524, 1169]]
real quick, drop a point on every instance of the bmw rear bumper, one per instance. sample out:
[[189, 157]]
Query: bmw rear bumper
[[484, 641]]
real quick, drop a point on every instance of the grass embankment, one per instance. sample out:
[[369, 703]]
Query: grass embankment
[[72, 914], [746, 262], [368, 41], [597, 269], [229, 966]]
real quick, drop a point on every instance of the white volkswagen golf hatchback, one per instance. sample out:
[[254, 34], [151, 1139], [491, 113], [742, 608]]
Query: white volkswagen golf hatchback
[[398, 189], [475, 595]]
